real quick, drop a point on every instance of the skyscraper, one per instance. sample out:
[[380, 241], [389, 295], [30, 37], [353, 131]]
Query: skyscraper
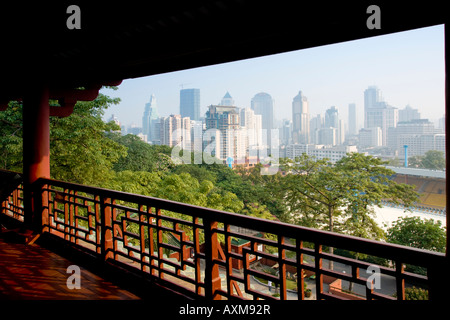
[[175, 130], [332, 121], [352, 122], [315, 125], [190, 103], [331, 118], [150, 119], [227, 100], [378, 113], [251, 123], [226, 120], [262, 103], [408, 114], [300, 119]]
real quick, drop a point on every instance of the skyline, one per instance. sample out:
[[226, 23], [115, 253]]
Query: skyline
[[408, 68]]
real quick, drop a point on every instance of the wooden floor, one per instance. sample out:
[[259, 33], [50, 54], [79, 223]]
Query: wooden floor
[[33, 272]]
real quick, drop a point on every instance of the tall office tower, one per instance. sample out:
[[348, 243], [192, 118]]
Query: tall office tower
[[251, 124], [352, 120], [328, 136], [332, 121], [371, 137], [175, 130], [286, 132], [408, 114], [197, 137], [300, 119], [315, 124], [332, 118], [378, 113], [150, 119], [190, 103], [227, 100], [372, 96], [262, 104], [226, 120]]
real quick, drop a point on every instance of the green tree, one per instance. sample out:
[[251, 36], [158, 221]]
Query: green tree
[[418, 233], [80, 151], [432, 159], [340, 197], [140, 155], [11, 142]]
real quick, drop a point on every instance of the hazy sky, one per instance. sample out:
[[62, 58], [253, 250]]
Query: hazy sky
[[408, 67]]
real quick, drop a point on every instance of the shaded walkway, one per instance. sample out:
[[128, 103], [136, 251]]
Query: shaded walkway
[[33, 272]]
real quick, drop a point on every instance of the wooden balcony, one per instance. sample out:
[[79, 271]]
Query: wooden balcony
[[188, 251]]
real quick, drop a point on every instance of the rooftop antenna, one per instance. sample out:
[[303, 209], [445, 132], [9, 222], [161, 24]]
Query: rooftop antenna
[[182, 85]]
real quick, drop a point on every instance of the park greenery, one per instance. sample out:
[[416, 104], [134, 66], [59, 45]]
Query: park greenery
[[314, 193]]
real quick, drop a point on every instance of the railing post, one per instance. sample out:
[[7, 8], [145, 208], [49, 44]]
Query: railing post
[[400, 282], [107, 246], [212, 278], [44, 208]]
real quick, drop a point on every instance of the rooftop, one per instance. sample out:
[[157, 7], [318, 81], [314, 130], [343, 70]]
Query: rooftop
[[418, 172]]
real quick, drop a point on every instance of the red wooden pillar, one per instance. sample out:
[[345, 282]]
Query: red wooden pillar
[[36, 152]]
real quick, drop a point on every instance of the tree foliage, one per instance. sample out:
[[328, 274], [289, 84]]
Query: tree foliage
[[140, 155], [418, 233], [80, 151], [340, 197], [432, 159], [11, 142]]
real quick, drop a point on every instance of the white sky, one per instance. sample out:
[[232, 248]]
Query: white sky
[[408, 67]]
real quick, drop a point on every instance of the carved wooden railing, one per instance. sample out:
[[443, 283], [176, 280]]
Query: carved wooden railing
[[193, 248]]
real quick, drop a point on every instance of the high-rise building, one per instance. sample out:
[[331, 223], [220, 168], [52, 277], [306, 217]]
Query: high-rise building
[[408, 114], [371, 137], [331, 118], [352, 120], [419, 134], [150, 120], [262, 104], [378, 113], [300, 119], [175, 130], [328, 136], [227, 100], [251, 124], [286, 132], [315, 125], [332, 121], [190, 103], [226, 120]]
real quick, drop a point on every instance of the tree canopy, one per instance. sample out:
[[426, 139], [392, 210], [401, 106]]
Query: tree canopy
[[416, 232], [340, 197], [432, 159]]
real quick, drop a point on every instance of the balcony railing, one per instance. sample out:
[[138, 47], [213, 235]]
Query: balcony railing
[[221, 255]]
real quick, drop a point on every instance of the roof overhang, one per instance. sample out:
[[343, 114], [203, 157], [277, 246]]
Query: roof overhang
[[121, 40]]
